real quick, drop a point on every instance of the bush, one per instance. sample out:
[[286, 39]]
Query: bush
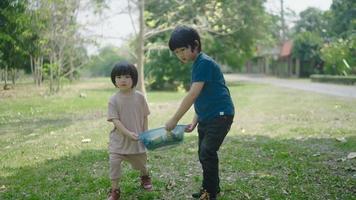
[[306, 47], [347, 80], [102, 64], [163, 71], [336, 53]]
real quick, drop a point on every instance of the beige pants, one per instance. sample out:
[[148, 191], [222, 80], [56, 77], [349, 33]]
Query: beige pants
[[137, 161]]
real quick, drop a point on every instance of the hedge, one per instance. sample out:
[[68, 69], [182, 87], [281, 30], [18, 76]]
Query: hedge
[[347, 80]]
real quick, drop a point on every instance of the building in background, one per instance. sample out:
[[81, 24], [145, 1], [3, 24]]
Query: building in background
[[275, 61]]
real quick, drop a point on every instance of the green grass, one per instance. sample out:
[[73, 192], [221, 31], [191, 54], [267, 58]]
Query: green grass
[[282, 145]]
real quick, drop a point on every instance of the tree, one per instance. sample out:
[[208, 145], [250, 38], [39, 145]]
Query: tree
[[342, 20], [339, 57], [101, 64], [306, 47], [230, 30], [312, 20], [13, 37], [57, 41]]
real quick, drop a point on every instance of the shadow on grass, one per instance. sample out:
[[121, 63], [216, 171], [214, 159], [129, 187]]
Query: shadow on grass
[[251, 168], [29, 126], [83, 176]]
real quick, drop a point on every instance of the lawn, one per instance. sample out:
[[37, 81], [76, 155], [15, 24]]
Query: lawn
[[283, 144]]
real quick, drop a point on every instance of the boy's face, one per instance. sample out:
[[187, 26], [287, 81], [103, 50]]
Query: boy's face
[[123, 82], [185, 54]]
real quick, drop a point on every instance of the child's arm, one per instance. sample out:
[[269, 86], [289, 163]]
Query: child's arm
[[122, 129], [187, 102]]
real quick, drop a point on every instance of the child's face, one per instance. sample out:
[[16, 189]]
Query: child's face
[[124, 82], [185, 54]]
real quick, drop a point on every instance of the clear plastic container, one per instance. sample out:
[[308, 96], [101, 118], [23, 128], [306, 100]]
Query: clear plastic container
[[160, 137]]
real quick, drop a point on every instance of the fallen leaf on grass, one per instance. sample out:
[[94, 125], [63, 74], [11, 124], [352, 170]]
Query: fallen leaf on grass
[[316, 155], [246, 195], [83, 95], [341, 139], [336, 106], [170, 184], [87, 140], [351, 155], [285, 192], [2, 188]]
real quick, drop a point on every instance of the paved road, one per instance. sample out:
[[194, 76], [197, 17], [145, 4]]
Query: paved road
[[324, 88]]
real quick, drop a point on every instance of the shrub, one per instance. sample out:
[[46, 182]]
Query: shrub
[[163, 71], [339, 57], [347, 80]]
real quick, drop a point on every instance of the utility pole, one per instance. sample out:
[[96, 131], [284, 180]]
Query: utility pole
[[283, 24]]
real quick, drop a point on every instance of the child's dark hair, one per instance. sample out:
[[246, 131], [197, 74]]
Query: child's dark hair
[[184, 36], [124, 68]]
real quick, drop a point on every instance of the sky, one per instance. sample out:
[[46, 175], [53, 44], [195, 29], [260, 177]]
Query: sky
[[112, 28], [298, 5]]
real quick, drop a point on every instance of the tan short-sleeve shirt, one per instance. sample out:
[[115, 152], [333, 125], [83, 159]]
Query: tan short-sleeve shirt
[[130, 109]]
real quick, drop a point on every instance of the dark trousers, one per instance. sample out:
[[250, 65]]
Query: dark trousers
[[211, 136]]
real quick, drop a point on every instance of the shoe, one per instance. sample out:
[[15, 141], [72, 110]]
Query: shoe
[[206, 196], [114, 194], [198, 194], [146, 183]]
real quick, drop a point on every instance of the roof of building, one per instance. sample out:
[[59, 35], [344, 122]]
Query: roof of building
[[286, 49]]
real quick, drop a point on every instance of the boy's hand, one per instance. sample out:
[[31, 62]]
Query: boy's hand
[[190, 127], [171, 124]]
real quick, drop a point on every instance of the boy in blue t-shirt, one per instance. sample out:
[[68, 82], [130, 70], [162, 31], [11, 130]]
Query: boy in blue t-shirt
[[212, 103]]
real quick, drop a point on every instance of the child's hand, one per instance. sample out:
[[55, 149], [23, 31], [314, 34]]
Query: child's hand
[[190, 127], [133, 135], [171, 124]]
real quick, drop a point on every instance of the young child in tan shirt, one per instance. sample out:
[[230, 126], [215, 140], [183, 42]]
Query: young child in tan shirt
[[128, 111]]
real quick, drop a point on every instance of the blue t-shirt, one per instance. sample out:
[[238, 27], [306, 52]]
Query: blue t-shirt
[[214, 100]]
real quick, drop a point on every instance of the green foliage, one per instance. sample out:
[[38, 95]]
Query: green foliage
[[339, 56], [312, 20], [306, 47], [14, 39], [343, 21], [164, 71], [229, 32], [335, 29], [102, 64]]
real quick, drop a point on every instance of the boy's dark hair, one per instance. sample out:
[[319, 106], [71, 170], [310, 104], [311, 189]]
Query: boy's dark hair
[[184, 36], [124, 68]]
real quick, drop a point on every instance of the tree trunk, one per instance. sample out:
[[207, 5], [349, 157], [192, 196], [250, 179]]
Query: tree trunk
[[51, 74], [140, 50], [71, 69], [5, 75], [40, 69], [13, 76], [58, 75], [36, 69], [6, 86], [32, 69]]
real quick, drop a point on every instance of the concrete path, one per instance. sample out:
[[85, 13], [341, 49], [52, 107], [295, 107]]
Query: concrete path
[[300, 84]]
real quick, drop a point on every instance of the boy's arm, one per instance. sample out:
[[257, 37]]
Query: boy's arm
[[122, 129], [187, 102]]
